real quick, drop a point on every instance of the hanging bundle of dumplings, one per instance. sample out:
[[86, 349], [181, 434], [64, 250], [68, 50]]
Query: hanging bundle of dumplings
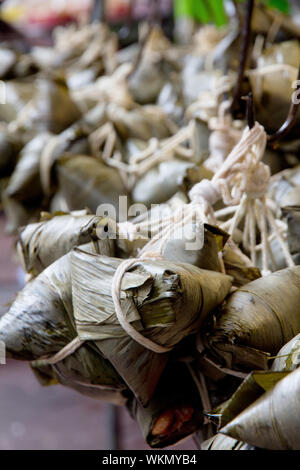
[[185, 305]]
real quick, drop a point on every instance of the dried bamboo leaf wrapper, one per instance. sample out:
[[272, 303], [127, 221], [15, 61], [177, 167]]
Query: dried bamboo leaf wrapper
[[174, 411], [3, 185], [263, 19], [73, 140], [25, 182], [9, 148], [139, 368], [18, 94], [288, 358], [286, 52], [284, 189], [270, 83], [235, 267], [40, 324], [15, 64], [292, 213], [113, 396], [39, 321], [51, 109], [160, 183], [221, 442], [152, 72], [70, 44], [195, 243], [146, 82], [183, 247], [154, 296], [108, 89], [259, 317], [87, 372], [170, 285], [273, 421], [19, 214], [23, 195], [78, 79], [53, 375], [254, 385], [86, 182], [8, 58], [44, 242], [126, 248], [170, 100], [141, 123], [201, 140], [193, 175]]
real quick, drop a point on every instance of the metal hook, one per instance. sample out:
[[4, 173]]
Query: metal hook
[[250, 110], [291, 117]]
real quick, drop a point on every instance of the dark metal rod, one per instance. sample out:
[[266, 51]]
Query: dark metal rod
[[291, 117], [250, 110], [246, 35], [97, 13]]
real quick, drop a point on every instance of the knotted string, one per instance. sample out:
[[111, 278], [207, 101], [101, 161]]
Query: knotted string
[[223, 138], [243, 172]]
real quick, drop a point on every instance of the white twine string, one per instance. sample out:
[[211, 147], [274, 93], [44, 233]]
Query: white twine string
[[222, 138], [202, 195], [244, 179], [69, 349]]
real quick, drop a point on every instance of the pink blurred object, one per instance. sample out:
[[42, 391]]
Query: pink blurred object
[[50, 20], [118, 10]]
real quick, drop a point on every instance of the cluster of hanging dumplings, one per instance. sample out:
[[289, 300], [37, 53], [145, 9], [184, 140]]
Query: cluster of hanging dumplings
[[199, 339]]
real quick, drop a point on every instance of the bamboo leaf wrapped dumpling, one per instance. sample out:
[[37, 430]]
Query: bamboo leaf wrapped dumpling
[[161, 182], [292, 213], [272, 83], [17, 94], [259, 382], [288, 358], [23, 196], [86, 182], [285, 189], [139, 123], [174, 411], [165, 301], [254, 385], [221, 442], [9, 148], [257, 319], [50, 109], [72, 140], [40, 324], [272, 421], [55, 235]]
